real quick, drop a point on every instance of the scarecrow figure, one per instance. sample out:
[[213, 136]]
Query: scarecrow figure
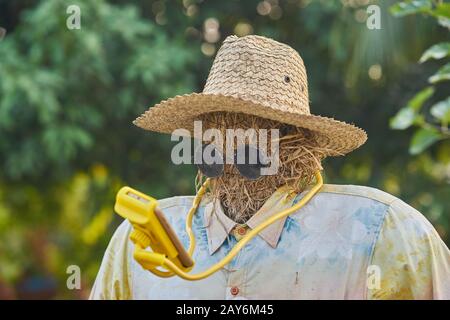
[[346, 242]]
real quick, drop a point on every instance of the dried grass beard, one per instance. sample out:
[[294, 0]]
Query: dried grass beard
[[300, 157]]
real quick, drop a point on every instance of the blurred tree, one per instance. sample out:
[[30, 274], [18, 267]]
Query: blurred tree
[[436, 129], [67, 101]]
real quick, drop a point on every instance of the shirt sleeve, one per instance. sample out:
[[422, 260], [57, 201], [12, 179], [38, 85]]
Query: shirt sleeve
[[114, 279], [413, 261]]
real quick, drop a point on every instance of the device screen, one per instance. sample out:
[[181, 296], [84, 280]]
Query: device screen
[[137, 197], [183, 255]]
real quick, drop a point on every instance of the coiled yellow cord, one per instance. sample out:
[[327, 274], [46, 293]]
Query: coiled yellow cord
[[174, 269]]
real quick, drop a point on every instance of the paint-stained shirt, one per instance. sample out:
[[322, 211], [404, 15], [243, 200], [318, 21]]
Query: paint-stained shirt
[[347, 242]]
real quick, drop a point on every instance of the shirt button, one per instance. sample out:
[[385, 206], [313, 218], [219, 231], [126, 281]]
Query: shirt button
[[242, 231], [234, 291]]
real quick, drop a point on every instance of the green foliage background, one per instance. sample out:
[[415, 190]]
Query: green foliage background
[[67, 99]]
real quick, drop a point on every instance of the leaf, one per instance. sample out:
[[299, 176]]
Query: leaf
[[438, 51], [441, 75], [403, 119], [408, 115], [441, 110], [445, 22], [422, 139], [442, 14], [405, 8], [418, 100], [442, 10]]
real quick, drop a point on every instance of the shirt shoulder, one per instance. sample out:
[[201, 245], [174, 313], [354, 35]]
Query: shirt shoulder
[[398, 211], [349, 203], [412, 259], [176, 201], [360, 191], [113, 281]]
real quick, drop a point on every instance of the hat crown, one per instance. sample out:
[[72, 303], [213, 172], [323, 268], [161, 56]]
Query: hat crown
[[260, 70]]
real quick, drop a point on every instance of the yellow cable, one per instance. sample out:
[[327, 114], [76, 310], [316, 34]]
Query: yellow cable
[[176, 270], [190, 216]]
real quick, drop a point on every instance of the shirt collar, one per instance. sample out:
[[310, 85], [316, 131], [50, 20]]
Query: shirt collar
[[218, 225]]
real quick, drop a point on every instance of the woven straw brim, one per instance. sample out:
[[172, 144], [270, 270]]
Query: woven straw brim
[[181, 111]]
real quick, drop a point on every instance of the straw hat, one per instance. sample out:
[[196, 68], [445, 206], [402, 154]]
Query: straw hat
[[257, 76]]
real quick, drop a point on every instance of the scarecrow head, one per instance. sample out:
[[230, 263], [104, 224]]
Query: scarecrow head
[[260, 84], [284, 155]]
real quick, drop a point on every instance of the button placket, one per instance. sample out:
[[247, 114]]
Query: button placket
[[237, 278]]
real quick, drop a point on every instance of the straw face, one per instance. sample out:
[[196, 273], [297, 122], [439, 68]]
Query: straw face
[[257, 76]]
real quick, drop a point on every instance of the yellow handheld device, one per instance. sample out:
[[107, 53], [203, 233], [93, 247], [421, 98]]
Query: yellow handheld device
[[150, 229]]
